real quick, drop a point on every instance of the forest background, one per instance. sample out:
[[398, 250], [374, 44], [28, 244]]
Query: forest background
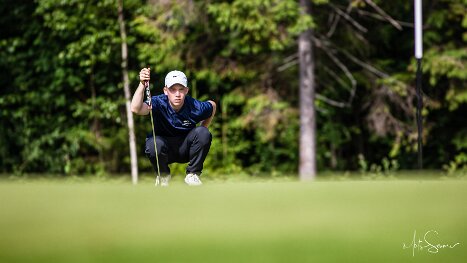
[[63, 106]]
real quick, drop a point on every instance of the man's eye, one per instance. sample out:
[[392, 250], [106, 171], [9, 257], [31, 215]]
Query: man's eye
[[175, 90]]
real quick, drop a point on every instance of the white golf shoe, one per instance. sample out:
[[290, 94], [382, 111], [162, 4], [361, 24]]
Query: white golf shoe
[[192, 179], [162, 180]]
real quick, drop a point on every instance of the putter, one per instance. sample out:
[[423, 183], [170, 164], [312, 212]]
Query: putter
[[148, 96]]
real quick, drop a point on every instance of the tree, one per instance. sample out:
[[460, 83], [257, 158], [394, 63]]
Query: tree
[[307, 166], [126, 88], [62, 91]]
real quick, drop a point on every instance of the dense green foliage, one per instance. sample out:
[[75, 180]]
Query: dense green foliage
[[62, 104]]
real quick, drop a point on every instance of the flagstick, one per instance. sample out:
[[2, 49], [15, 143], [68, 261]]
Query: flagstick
[[418, 56]]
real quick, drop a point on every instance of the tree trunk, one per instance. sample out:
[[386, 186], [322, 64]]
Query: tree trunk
[[126, 88], [307, 166]]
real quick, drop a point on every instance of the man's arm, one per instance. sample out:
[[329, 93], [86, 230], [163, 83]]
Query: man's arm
[[137, 104], [207, 121]]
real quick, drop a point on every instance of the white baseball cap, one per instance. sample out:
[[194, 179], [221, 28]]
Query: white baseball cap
[[175, 77]]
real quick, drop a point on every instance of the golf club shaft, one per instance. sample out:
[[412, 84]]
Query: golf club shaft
[[148, 93], [155, 145]]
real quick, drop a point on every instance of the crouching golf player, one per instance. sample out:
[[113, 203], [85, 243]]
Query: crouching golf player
[[175, 116]]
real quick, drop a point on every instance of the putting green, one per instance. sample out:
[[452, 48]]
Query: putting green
[[348, 221]]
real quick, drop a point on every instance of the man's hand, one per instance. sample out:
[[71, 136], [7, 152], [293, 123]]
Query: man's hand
[[137, 105], [144, 75]]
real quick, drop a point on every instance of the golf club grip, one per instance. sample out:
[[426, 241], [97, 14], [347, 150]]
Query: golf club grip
[[148, 92]]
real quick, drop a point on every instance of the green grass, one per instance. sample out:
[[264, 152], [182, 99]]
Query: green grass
[[264, 221]]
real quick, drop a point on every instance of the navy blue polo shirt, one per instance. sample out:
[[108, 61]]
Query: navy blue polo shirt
[[168, 122]]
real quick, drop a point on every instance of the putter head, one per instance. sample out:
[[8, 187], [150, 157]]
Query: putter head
[[158, 181]]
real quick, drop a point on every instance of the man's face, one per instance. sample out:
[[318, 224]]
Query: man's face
[[176, 95]]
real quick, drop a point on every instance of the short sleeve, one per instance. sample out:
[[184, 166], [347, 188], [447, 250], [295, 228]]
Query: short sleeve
[[155, 102], [202, 110]]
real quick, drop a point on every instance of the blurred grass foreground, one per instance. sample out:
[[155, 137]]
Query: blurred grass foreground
[[324, 221]]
